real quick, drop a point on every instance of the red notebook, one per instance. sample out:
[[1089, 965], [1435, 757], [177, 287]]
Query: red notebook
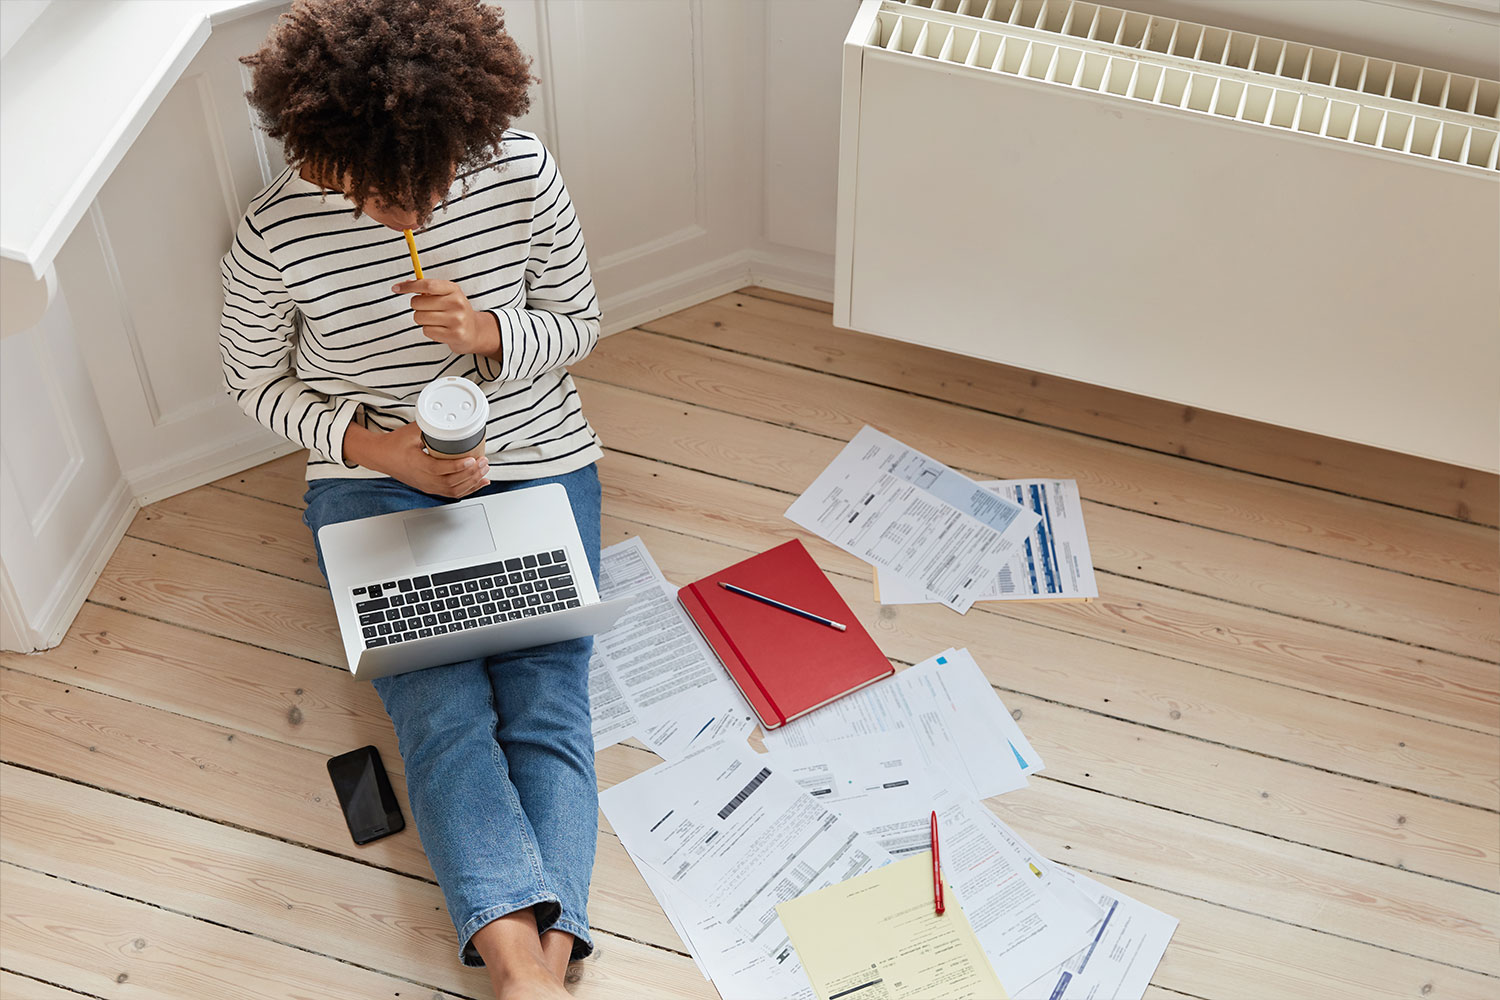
[[785, 665]]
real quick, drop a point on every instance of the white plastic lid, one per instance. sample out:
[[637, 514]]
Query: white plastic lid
[[452, 409]]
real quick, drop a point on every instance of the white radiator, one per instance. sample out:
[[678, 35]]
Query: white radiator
[[1240, 223]]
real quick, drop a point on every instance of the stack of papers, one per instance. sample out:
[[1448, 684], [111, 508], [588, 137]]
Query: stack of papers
[[1050, 563], [935, 535], [652, 676], [726, 838]]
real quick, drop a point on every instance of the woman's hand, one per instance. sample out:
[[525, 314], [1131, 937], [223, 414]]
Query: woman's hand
[[444, 313], [400, 455]]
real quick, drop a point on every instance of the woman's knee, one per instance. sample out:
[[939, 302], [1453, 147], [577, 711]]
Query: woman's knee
[[545, 688], [439, 710]]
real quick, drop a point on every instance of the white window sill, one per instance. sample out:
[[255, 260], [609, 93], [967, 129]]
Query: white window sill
[[75, 91]]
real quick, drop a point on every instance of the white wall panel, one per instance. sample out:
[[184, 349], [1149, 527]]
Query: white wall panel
[[649, 98], [43, 436], [169, 218], [646, 187], [803, 42], [633, 160], [144, 266], [63, 501]]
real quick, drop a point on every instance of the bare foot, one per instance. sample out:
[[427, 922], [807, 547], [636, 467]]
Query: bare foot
[[538, 985], [513, 955]]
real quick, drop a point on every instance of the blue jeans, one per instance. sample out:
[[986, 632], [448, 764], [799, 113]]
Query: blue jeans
[[499, 751]]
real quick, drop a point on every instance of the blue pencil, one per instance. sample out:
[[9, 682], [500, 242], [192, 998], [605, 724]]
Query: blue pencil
[[784, 607]]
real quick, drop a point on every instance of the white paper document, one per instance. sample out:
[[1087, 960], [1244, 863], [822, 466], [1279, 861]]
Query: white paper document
[[1121, 956], [1053, 561], [912, 516], [670, 738], [737, 836], [878, 782], [1026, 925], [739, 968], [875, 937], [946, 705], [652, 675], [1004, 722]]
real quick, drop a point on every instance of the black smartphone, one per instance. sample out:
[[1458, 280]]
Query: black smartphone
[[365, 795]]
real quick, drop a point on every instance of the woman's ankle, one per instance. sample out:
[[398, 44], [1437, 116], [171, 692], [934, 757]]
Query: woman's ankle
[[557, 951], [510, 944]]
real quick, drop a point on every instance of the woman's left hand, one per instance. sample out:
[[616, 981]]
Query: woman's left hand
[[444, 314]]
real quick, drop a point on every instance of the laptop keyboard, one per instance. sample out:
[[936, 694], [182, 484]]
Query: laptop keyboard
[[418, 607]]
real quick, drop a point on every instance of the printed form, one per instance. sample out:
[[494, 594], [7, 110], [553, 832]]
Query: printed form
[[877, 937], [737, 967], [738, 837], [961, 727], [1026, 923], [1053, 561], [1120, 959], [913, 517], [878, 782], [652, 675]]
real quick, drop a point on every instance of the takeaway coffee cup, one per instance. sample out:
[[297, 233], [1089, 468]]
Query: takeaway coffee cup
[[452, 413]]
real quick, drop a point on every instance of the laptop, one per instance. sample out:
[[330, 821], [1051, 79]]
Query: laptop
[[421, 588]]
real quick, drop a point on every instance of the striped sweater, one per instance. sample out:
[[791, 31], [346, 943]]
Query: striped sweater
[[312, 337]]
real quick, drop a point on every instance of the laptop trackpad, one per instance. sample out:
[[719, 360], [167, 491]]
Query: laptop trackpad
[[446, 533]]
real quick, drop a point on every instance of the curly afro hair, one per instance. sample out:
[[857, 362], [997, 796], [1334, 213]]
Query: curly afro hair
[[392, 96]]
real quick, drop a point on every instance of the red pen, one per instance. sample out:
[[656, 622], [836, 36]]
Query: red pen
[[937, 870]]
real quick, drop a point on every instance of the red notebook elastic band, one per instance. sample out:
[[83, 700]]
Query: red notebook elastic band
[[744, 664]]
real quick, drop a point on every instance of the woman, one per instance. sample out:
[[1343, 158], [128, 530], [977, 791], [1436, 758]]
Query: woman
[[394, 115]]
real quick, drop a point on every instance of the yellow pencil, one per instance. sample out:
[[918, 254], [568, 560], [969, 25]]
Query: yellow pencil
[[411, 244]]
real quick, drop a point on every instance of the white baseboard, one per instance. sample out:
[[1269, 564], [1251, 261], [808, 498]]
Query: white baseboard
[[159, 481], [76, 579], [16, 633], [687, 288], [794, 272], [214, 460]]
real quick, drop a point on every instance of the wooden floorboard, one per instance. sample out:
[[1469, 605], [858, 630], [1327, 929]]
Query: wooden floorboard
[[1280, 722], [796, 331]]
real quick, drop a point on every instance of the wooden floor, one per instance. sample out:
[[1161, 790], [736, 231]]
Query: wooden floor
[[1279, 722]]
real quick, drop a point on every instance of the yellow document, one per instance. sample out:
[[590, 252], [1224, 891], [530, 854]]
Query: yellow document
[[876, 937]]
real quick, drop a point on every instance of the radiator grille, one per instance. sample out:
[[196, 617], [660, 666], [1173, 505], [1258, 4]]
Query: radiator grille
[[1341, 96]]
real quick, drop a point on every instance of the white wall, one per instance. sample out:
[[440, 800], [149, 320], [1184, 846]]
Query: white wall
[[15, 17], [800, 85], [641, 102]]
